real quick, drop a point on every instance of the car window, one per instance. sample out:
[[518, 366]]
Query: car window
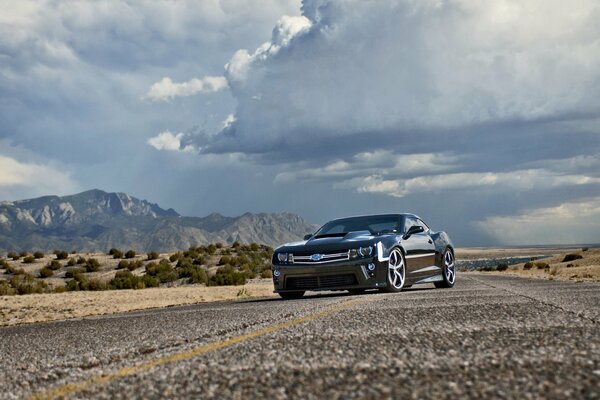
[[408, 222], [376, 224], [421, 223]]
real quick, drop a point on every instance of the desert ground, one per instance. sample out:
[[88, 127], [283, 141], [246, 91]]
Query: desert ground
[[24, 309], [44, 307]]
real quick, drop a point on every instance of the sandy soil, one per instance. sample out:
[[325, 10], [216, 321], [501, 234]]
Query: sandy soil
[[585, 269], [58, 306]]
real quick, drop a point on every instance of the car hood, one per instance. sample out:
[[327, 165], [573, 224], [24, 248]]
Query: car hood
[[351, 240]]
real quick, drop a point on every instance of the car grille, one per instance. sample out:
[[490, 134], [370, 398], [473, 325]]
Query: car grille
[[324, 258], [319, 282]]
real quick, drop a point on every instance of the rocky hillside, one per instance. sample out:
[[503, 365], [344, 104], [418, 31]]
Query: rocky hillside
[[97, 221]]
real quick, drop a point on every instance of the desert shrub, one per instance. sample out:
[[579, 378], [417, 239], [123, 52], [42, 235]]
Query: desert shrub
[[71, 262], [572, 257], [235, 245], [117, 254], [254, 247], [46, 272], [92, 265], [266, 274], [38, 254], [528, 265], [541, 265], [176, 256], [114, 251], [227, 276], [126, 280], [13, 255], [80, 261], [211, 249], [71, 273], [122, 264], [224, 260], [570, 265], [554, 270], [96, 284], [6, 289], [72, 285], [219, 245], [60, 289], [198, 276], [28, 260], [487, 269], [502, 267], [199, 261], [150, 281], [130, 254], [27, 284], [3, 264], [584, 249], [163, 271], [15, 271], [194, 273], [23, 254], [226, 252], [61, 255], [53, 265], [133, 265], [152, 256]]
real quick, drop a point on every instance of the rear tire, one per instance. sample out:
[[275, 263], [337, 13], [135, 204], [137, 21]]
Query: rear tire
[[448, 271], [291, 295]]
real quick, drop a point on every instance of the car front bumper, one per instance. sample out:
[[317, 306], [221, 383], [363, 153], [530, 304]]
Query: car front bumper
[[341, 275]]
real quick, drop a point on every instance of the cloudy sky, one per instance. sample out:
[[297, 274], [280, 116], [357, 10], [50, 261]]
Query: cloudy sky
[[482, 117]]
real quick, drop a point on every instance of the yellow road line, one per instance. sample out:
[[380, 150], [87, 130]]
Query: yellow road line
[[75, 387]]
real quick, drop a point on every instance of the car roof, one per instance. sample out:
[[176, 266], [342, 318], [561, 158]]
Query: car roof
[[379, 215]]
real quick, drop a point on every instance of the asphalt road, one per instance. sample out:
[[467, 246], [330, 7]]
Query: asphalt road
[[490, 336]]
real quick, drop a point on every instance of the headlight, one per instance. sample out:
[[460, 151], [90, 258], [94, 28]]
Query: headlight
[[282, 257], [365, 251]]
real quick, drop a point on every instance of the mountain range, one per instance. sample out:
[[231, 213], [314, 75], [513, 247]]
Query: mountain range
[[97, 221]]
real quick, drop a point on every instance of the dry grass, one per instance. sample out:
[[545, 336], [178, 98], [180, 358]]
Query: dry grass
[[59, 306]]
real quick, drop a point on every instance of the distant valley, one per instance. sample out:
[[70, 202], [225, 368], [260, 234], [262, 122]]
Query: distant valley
[[97, 221]]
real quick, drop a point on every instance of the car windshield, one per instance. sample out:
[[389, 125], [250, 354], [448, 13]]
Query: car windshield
[[376, 224]]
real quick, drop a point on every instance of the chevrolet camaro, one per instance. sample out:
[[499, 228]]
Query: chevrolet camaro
[[386, 252]]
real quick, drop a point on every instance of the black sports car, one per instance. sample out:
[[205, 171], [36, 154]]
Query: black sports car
[[387, 252]]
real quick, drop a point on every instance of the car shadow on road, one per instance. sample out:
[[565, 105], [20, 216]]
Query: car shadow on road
[[342, 293]]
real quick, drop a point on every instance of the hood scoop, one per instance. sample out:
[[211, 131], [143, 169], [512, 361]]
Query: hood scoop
[[355, 234]]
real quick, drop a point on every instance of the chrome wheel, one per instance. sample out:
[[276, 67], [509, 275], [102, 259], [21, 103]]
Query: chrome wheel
[[396, 270], [449, 267]]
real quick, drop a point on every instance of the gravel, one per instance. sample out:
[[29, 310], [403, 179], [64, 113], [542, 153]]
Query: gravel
[[490, 336]]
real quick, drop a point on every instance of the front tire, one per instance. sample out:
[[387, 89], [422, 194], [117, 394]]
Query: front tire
[[449, 271], [291, 295], [396, 272]]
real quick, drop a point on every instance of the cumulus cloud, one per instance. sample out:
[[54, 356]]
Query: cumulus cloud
[[32, 179], [169, 142], [286, 29], [380, 162], [533, 179], [348, 68], [574, 222], [166, 89]]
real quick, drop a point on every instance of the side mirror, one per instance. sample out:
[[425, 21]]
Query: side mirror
[[412, 230], [306, 237]]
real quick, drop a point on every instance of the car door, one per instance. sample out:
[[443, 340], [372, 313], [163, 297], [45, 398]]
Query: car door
[[420, 250]]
